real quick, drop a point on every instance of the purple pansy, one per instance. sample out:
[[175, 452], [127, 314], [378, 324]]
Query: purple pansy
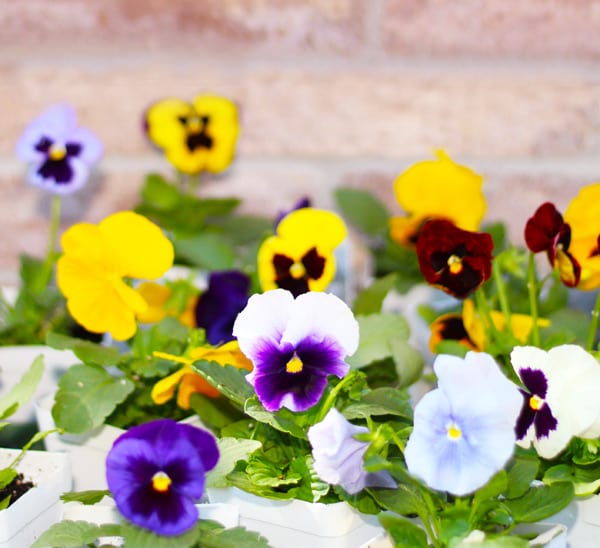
[[218, 307], [295, 344], [58, 152], [464, 431], [338, 456], [156, 472], [559, 396]]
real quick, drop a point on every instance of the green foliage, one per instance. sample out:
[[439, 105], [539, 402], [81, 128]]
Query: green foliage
[[363, 210], [22, 392], [71, 534], [85, 497]]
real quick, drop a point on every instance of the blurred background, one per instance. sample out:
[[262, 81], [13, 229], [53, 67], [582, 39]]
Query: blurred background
[[332, 93]]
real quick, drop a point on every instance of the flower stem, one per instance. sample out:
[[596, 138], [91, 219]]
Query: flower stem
[[193, 184], [330, 399], [486, 316], [46, 275], [502, 296], [533, 301], [594, 324]]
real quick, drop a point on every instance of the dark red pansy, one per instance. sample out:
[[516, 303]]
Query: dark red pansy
[[455, 260], [547, 231]]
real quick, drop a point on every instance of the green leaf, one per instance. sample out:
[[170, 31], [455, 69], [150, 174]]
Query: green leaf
[[5, 502], [231, 450], [380, 401], [206, 250], [86, 351], [363, 210], [22, 392], [370, 300], [312, 488], [236, 537], [136, 537], [67, 534], [265, 473], [159, 192], [7, 475], [521, 473], [87, 394], [540, 502], [404, 533], [229, 380], [490, 542], [85, 497], [377, 334], [408, 360], [283, 420]]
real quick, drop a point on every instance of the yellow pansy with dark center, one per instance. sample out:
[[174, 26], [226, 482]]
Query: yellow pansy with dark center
[[454, 432], [295, 365], [161, 482], [299, 257], [197, 132]]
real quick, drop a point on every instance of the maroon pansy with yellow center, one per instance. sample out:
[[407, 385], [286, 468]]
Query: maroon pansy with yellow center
[[454, 260], [300, 256], [547, 231]]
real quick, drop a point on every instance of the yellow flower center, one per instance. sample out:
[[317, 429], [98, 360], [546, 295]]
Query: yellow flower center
[[454, 432], [535, 402], [161, 482], [194, 124], [297, 271], [57, 152], [455, 264], [294, 365]]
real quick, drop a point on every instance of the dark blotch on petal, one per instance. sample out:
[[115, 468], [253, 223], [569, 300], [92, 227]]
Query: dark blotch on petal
[[544, 422], [59, 170], [314, 264], [526, 417], [535, 381]]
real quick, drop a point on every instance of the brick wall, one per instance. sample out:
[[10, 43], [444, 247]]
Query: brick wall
[[332, 92]]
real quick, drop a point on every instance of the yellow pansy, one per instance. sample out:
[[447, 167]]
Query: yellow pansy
[[583, 216], [157, 295], [198, 136], [439, 189], [95, 261], [299, 257], [521, 324], [190, 382]]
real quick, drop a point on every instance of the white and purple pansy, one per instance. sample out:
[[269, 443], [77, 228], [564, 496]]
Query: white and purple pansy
[[464, 430], [295, 344], [58, 152], [560, 396]]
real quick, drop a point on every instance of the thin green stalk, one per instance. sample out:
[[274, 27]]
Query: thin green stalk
[[486, 316], [502, 296], [330, 399], [46, 275], [193, 184], [594, 324], [533, 300]]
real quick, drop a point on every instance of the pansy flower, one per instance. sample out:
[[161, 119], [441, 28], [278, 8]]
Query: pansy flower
[[437, 189], [156, 474], [455, 260], [338, 455], [583, 215], [295, 344], [559, 396], [547, 231], [197, 136], [218, 306], [463, 431], [187, 382], [468, 329], [95, 262], [157, 297], [300, 204], [300, 256], [59, 153]]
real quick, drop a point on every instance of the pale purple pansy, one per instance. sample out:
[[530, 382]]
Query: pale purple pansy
[[464, 431], [338, 455], [560, 396], [295, 344], [58, 152]]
